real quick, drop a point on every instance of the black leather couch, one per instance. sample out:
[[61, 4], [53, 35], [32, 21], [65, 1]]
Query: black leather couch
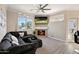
[[76, 37], [27, 44], [29, 38]]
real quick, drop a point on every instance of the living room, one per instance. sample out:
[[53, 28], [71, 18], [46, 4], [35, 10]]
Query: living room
[[54, 24]]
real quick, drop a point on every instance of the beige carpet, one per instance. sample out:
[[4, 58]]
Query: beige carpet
[[52, 46]]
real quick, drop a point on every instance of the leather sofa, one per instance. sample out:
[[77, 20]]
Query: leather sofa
[[26, 45], [29, 38]]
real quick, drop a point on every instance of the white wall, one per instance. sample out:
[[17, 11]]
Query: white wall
[[56, 28], [11, 21]]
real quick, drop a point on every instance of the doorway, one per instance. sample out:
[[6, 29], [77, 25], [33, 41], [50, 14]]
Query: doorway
[[72, 28]]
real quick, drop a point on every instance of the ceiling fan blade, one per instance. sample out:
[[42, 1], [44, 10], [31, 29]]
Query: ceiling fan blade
[[46, 9], [44, 6], [40, 5], [43, 11]]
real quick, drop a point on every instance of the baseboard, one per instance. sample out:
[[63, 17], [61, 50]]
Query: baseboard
[[57, 39]]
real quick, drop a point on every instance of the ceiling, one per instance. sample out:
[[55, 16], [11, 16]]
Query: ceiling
[[54, 8]]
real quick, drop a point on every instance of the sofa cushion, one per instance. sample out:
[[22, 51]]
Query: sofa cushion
[[7, 36], [17, 35], [6, 42], [5, 45], [14, 40]]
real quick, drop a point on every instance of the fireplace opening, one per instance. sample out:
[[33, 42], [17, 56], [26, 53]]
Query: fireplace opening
[[41, 32]]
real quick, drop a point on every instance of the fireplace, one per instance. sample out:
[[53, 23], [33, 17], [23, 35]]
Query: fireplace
[[41, 32]]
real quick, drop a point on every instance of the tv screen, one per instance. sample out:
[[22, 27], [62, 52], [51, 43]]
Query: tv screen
[[41, 20]]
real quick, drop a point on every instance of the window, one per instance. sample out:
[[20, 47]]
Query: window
[[29, 23], [21, 23], [24, 23]]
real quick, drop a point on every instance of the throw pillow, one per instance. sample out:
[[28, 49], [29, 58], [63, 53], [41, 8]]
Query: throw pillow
[[14, 40]]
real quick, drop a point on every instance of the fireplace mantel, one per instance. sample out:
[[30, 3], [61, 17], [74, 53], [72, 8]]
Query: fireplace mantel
[[41, 28]]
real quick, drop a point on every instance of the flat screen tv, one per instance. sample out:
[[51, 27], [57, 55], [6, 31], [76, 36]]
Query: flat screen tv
[[41, 20]]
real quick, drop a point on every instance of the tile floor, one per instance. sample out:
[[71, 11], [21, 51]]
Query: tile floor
[[52, 46]]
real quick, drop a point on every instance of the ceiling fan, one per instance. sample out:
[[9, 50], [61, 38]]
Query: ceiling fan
[[42, 8]]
